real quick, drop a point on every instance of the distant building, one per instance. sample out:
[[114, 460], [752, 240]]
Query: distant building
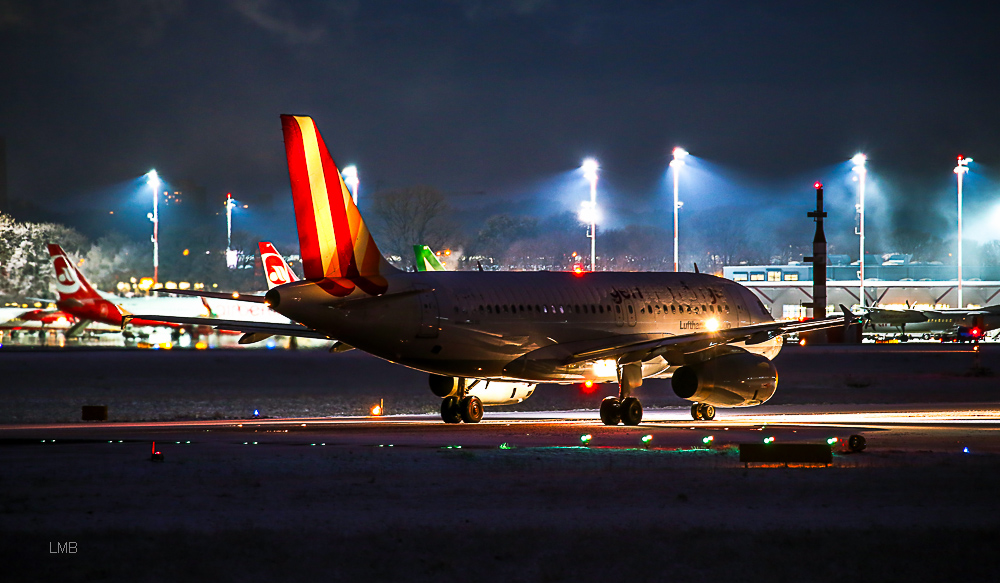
[[895, 267], [892, 280]]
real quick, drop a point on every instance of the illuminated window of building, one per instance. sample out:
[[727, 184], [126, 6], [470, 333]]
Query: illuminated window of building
[[791, 277], [773, 276], [739, 277], [756, 277]]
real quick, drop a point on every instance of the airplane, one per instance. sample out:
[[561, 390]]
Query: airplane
[[267, 323], [426, 259], [77, 297], [35, 319], [276, 269], [948, 324], [276, 272], [488, 338]]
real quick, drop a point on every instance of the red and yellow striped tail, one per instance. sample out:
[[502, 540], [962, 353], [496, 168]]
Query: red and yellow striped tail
[[334, 241]]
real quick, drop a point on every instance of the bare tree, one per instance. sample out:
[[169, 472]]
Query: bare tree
[[416, 215]]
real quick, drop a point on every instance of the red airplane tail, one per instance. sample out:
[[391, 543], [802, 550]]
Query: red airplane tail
[[336, 246], [276, 269], [70, 283], [76, 295]]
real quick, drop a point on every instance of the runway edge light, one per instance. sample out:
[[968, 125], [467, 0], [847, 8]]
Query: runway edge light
[[156, 455]]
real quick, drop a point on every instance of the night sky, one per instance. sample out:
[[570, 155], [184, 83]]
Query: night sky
[[496, 102]]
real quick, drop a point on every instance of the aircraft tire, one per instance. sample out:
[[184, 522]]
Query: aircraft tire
[[471, 408], [707, 412], [631, 411], [450, 412], [610, 411], [696, 412]]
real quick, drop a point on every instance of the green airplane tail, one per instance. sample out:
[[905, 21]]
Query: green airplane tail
[[426, 260]]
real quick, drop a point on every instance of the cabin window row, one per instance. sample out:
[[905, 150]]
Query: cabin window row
[[599, 309]]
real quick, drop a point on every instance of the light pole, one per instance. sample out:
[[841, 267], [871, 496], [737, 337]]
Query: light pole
[[230, 255], [676, 164], [590, 168], [961, 169], [859, 167], [350, 175], [154, 183]]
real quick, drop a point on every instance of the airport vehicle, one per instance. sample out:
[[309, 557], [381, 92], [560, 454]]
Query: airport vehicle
[[426, 259], [962, 325], [491, 337], [77, 297]]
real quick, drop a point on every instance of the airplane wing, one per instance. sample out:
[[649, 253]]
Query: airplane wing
[[674, 348], [237, 296], [260, 328]]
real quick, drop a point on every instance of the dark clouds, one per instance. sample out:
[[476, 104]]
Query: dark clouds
[[477, 96]]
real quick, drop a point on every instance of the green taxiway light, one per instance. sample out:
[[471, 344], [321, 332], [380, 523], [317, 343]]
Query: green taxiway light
[[585, 438], [647, 438], [708, 439], [831, 441], [769, 439], [505, 445]]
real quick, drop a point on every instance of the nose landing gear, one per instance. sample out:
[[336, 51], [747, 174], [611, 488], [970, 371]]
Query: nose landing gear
[[702, 412]]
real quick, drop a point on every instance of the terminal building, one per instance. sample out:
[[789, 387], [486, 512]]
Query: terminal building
[[890, 281]]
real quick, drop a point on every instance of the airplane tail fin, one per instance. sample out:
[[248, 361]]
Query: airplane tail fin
[[70, 283], [276, 269], [334, 240], [426, 259]]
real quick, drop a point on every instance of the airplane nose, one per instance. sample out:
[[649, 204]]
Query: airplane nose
[[273, 298]]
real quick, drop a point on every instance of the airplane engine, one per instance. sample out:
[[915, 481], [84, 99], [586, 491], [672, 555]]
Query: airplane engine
[[500, 392], [489, 392], [443, 386], [739, 379]]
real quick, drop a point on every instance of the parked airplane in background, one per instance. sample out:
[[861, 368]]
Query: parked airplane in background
[[250, 314], [426, 259], [33, 319], [276, 269], [490, 337], [77, 297], [948, 324]]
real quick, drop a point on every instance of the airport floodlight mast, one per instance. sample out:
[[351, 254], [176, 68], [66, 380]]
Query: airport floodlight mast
[[154, 183], [961, 168], [676, 164], [230, 254], [590, 168], [350, 175], [859, 161]]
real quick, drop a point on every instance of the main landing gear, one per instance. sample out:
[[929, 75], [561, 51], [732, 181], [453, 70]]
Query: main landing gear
[[457, 405], [457, 409], [702, 412], [624, 408]]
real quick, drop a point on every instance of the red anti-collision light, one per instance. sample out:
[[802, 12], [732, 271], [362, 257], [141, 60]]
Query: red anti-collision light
[[818, 185]]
